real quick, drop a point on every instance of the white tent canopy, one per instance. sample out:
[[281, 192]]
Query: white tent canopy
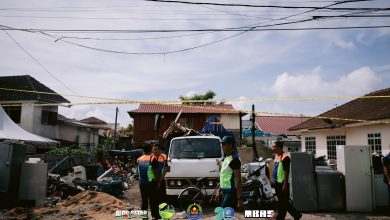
[[10, 130]]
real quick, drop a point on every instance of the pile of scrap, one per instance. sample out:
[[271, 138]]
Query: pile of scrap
[[177, 130], [85, 205]]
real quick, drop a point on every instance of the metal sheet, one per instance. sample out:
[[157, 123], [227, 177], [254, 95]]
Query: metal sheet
[[33, 183], [330, 190], [355, 163], [303, 183]]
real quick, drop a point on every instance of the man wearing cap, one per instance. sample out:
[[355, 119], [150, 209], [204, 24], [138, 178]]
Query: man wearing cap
[[230, 177], [281, 174]]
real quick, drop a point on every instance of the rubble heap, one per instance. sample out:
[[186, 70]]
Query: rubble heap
[[85, 205]]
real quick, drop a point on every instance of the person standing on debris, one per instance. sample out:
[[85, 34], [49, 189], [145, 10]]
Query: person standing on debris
[[230, 177], [281, 174], [162, 169], [386, 172], [148, 179]]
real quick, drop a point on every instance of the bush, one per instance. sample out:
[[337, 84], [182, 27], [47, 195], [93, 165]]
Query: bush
[[66, 151]]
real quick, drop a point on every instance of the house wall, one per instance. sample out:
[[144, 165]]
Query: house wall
[[144, 124], [78, 135], [45, 130], [29, 116], [321, 145], [230, 121], [359, 135], [68, 133], [30, 120], [353, 135]]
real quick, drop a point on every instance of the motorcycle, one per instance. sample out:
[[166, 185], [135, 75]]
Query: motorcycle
[[257, 190]]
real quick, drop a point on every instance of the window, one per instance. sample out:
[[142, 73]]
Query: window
[[186, 122], [310, 144], [49, 117], [195, 148], [14, 112], [332, 142], [374, 140]]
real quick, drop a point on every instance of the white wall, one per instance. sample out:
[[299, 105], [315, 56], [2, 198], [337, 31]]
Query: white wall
[[230, 121], [28, 116], [359, 135], [354, 136], [86, 135], [320, 136], [68, 132]]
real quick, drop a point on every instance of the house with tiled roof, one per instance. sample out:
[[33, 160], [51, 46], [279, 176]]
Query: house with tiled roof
[[44, 121], [151, 120], [363, 121], [40, 120], [278, 126], [93, 121]]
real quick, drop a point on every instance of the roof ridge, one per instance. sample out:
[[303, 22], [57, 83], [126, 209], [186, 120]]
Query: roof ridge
[[377, 91], [182, 104], [30, 81], [341, 107]]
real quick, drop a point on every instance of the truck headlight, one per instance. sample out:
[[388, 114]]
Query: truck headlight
[[171, 183], [178, 183], [210, 183]]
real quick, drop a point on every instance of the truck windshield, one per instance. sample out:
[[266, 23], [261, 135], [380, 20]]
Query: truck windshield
[[195, 148]]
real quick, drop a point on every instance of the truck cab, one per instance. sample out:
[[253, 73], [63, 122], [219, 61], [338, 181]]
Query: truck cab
[[190, 158]]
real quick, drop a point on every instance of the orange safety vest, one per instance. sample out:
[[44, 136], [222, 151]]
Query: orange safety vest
[[161, 160], [278, 172]]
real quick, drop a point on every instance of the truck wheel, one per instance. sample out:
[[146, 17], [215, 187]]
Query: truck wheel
[[189, 196]]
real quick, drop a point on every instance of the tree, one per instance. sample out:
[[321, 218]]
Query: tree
[[130, 128], [209, 95]]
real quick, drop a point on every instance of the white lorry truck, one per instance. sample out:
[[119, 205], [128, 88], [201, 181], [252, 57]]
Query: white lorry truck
[[190, 158]]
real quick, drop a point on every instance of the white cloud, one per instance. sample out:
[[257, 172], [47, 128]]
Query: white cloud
[[241, 105], [190, 93], [358, 82], [253, 55], [339, 41]]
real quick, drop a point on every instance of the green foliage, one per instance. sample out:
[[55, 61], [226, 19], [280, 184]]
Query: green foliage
[[130, 127], [247, 142], [209, 95], [66, 151]]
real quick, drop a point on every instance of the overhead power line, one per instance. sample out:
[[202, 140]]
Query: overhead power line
[[213, 108], [265, 6], [351, 16], [205, 101], [130, 31], [37, 61], [202, 45], [137, 19]]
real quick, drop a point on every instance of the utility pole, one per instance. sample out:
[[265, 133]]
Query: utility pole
[[253, 118], [116, 120], [240, 128]]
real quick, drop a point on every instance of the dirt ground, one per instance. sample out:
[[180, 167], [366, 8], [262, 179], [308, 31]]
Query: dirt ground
[[133, 197], [95, 205]]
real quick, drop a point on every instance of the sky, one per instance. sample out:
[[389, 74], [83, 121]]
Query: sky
[[254, 64]]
